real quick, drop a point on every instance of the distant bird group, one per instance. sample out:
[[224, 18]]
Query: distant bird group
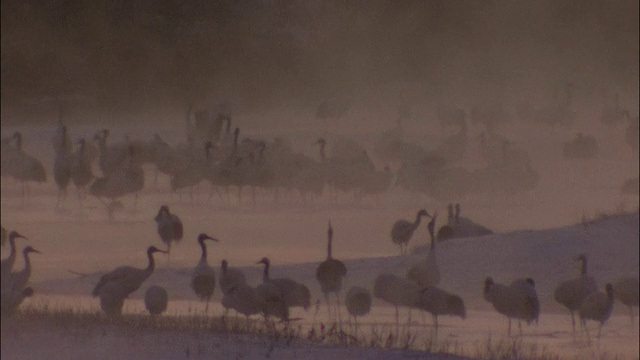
[[460, 227]]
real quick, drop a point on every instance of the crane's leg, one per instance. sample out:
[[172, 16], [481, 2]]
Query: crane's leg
[[573, 324], [600, 330], [397, 322], [435, 321], [355, 321], [584, 324], [509, 331], [253, 195], [206, 309], [155, 179], [520, 326], [326, 299], [338, 310]]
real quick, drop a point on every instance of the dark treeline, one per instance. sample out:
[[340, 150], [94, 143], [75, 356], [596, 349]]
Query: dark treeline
[[135, 54]]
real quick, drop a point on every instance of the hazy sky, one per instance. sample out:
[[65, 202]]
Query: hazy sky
[[132, 56]]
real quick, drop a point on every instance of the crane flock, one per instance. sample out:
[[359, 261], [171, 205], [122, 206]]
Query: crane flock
[[275, 297], [224, 160]]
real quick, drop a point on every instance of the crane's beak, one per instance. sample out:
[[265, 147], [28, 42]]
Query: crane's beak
[[210, 238]]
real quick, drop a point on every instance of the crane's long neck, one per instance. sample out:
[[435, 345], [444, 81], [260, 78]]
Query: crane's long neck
[[265, 274], [203, 246], [418, 219], [236, 135], [433, 239], [323, 155], [329, 243], [12, 244], [27, 264], [583, 269], [19, 141], [152, 264], [102, 144], [228, 127]]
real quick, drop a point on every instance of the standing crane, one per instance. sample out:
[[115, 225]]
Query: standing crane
[[358, 303], [170, 227], [402, 230], [230, 278], [81, 173], [22, 166], [597, 306], [570, 293], [626, 291], [62, 165], [19, 279], [427, 273], [156, 300], [128, 278], [330, 274], [293, 292], [513, 301], [203, 281], [7, 264]]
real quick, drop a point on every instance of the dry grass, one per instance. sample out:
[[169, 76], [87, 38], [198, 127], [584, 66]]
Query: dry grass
[[280, 334]]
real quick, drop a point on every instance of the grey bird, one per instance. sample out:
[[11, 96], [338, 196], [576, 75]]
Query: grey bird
[[129, 278], [626, 291], [7, 264], [358, 302], [330, 274], [570, 293], [11, 300], [294, 293], [156, 300], [510, 301], [597, 306], [230, 278], [170, 227], [203, 281], [402, 230], [426, 273], [439, 302], [18, 280]]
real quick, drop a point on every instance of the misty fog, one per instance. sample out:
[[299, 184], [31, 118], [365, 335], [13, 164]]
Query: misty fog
[[149, 60]]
